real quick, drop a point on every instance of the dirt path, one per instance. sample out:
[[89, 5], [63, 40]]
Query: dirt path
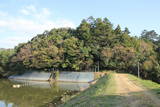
[[133, 95]]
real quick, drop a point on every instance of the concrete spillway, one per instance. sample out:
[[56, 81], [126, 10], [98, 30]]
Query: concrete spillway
[[34, 76], [62, 76], [76, 76]]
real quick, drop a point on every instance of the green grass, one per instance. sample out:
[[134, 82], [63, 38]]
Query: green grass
[[150, 85], [98, 95]]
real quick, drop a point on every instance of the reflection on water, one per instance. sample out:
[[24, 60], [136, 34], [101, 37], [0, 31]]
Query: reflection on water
[[35, 94], [5, 104], [73, 86], [36, 84], [62, 85]]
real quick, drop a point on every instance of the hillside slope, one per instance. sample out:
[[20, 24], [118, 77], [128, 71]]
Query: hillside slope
[[94, 45]]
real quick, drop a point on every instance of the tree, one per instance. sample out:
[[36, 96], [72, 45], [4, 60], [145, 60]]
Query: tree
[[126, 30], [118, 30], [5, 55], [150, 35], [83, 31], [93, 43]]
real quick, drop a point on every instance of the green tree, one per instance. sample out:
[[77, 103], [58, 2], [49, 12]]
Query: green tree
[[83, 31], [118, 30], [126, 30], [93, 43], [150, 35]]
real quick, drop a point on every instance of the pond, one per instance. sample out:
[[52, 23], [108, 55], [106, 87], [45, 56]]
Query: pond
[[37, 94]]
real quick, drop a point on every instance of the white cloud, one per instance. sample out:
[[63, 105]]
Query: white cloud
[[25, 12], [31, 8], [45, 11], [12, 41], [37, 21], [2, 14], [34, 26], [28, 10], [32, 11], [3, 23]]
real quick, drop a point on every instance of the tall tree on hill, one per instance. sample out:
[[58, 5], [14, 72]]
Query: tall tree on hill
[[83, 32], [126, 30], [150, 35], [94, 43], [118, 30]]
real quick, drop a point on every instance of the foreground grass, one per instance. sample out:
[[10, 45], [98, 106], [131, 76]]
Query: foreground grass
[[98, 95], [151, 86]]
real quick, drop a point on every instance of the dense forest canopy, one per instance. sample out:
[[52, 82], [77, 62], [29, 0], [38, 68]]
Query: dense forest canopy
[[94, 44], [5, 55]]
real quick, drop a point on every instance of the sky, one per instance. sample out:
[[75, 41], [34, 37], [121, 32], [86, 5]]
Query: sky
[[21, 20]]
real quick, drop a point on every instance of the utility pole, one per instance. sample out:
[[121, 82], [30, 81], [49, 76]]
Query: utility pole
[[98, 66], [138, 70], [139, 57], [94, 68]]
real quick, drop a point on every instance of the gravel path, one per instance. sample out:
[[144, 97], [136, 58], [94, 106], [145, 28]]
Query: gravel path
[[133, 95]]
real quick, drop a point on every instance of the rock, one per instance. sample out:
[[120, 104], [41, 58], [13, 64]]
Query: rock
[[16, 86]]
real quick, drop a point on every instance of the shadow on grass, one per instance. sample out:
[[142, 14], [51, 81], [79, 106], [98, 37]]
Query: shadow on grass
[[134, 99], [156, 92], [94, 101]]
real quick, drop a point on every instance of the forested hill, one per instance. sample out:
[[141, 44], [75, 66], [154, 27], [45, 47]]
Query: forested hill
[[93, 43]]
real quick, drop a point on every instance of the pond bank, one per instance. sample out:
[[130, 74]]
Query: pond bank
[[95, 95]]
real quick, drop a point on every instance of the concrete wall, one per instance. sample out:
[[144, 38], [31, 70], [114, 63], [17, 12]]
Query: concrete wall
[[35, 76], [63, 76], [76, 76]]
